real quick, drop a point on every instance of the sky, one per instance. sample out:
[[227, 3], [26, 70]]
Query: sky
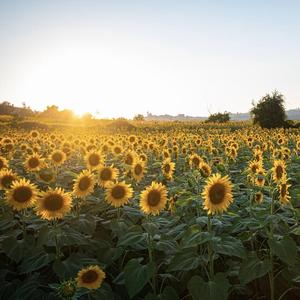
[[120, 58]]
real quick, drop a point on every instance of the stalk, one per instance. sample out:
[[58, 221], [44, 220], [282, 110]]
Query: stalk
[[210, 250]]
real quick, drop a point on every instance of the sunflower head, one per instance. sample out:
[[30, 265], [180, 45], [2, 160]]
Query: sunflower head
[[106, 175], [138, 170], [53, 204], [153, 199], [94, 160], [195, 161], [117, 194], [7, 177], [278, 170], [58, 157], [46, 175], [34, 163], [258, 197], [90, 277], [22, 194], [168, 168], [84, 184], [217, 194], [205, 169], [284, 195]]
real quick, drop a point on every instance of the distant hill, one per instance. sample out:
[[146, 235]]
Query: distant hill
[[292, 114]]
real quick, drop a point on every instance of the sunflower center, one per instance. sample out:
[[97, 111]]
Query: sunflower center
[[53, 202], [217, 193], [94, 159], [129, 160], [117, 150], [47, 177], [154, 197], [167, 168], [22, 194], [138, 169], [196, 161], [57, 157], [90, 276], [283, 190], [118, 192], [7, 180], [84, 183], [33, 162], [279, 171], [106, 174]]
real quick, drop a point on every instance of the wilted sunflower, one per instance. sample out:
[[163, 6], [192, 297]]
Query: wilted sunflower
[[84, 184], [138, 170], [3, 163], [118, 194], [217, 194], [22, 194], [107, 175], [53, 204], [279, 170], [284, 195], [7, 176], [94, 160], [58, 157], [154, 198], [168, 168], [34, 162], [90, 277]]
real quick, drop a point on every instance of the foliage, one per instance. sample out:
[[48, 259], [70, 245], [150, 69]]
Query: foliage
[[139, 118], [218, 118], [165, 256], [269, 112]]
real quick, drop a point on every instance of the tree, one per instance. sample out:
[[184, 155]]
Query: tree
[[269, 112], [139, 117], [218, 118]]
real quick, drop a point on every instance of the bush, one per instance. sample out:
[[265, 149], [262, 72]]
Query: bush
[[269, 112], [218, 118]]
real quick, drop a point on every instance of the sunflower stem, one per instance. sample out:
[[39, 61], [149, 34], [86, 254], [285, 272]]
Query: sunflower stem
[[271, 273], [210, 250], [150, 253], [57, 250]]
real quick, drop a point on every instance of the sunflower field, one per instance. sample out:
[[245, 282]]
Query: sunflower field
[[169, 211]]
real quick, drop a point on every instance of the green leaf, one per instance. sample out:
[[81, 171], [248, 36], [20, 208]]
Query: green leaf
[[215, 289], [194, 236], [15, 249], [35, 262], [132, 238], [230, 246], [137, 276], [184, 261], [285, 249], [253, 268]]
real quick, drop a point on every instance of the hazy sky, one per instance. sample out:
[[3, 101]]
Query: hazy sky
[[127, 57]]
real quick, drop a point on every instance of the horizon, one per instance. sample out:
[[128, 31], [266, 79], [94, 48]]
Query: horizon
[[193, 58]]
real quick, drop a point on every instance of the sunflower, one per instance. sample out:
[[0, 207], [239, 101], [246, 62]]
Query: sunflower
[[84, 184], [138, 170], [34, 134], [3, 163], [118, 194], [260, 177], [130, 158], [154, 198], [90, 277], [107, 175], [205, 169], [94, 160], [22, 194], [258, 197], [217, 194], [279, 170], [168, 168], [7, 176], [195, 160], [58, 157], [34, 162], [284, 195], [53, 204]]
